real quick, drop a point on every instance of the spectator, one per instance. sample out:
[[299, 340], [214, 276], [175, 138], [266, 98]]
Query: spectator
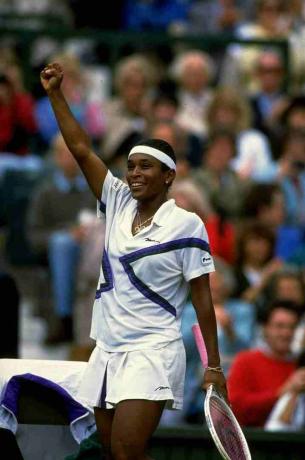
[[293, 117], [270, 22], [193, 70], [287, 283], [255, 261], [125, 113], [164, 107], [265, 203], [17, 123], [57, 233], [217, 179], [188, 196], [229, 109], [259, 377], [288, 414], [170, 132], [270, 98]]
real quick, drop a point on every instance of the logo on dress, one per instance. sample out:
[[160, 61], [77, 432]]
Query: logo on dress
[[161, 388], [117, 184], [205, 260], [151, 241]]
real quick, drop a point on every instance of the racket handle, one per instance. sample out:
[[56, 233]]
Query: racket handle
[[200, 345]]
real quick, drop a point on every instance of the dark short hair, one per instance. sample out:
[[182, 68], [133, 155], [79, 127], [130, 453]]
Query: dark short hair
[[297, 103], [260, 195], [284, 304], [160, 144]]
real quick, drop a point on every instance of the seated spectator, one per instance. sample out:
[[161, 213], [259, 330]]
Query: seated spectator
[[287, 283], [216, 177], [178, 138], [259, 377], [126, 111], [164, 108], [293, 117], [255, 261], [57, 231], [229, 109], [288, 414], [193, 71], [265, 204], [269, 100]]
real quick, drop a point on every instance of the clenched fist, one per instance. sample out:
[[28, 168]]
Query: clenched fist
[[51, 77]]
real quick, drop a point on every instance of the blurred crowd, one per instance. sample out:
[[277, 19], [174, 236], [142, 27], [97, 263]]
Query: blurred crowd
[[236, 120]]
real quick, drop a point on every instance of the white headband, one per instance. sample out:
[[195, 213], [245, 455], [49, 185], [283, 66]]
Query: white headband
[[156, 153]]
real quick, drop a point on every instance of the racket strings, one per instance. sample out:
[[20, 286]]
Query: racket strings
[[227, 432]]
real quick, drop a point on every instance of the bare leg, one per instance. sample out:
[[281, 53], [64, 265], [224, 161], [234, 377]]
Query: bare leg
[[103, 419], [133, 424]]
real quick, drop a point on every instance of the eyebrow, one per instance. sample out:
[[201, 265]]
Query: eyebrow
[[142, 160]]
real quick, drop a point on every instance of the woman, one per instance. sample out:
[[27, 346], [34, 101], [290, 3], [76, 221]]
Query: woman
[[153, 249]]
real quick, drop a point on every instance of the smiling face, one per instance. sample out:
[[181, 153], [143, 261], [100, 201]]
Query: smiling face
[[146, 178], [279, 331]]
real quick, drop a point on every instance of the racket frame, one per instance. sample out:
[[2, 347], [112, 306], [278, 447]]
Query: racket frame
[[211, 391]]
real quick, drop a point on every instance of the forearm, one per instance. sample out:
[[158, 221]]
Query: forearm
[[74, 135], [289, 409], [202, 301]]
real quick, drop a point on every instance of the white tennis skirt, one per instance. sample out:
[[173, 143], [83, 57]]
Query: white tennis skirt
[[152, 374]]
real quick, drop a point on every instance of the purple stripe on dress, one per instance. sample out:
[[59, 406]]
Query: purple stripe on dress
[[13, 389], [102, 207], [104, 391], [166, 247], [146, 291], [158, 249], [107, 272]]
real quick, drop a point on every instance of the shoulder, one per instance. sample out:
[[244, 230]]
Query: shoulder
[[113, 184], [186, 218], [248, 357]]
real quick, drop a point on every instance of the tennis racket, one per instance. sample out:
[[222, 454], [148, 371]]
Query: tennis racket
[[222, 424]]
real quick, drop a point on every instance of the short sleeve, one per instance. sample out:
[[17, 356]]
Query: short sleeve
[[196, 256], [113, 193]]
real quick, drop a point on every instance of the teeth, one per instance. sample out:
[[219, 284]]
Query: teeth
[[135, 184]]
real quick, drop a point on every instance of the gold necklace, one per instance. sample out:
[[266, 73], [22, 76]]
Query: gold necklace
[[141, 224]]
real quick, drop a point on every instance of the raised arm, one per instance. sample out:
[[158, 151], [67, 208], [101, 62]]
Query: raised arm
[[75, 137], [202, 301]]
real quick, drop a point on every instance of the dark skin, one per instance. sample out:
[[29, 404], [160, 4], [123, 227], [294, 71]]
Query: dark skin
[[125, 430]]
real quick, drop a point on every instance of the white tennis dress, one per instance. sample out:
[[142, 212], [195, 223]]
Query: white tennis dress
[[141, 292]]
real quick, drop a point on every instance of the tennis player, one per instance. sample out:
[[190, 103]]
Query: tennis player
[[154, 253]]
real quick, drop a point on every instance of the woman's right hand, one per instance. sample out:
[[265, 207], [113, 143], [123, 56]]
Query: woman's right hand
[[51, 77]]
